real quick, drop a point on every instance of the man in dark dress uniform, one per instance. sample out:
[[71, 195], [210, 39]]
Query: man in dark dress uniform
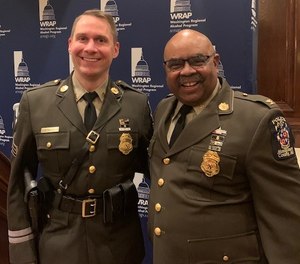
[[227, 189], [87, 165]]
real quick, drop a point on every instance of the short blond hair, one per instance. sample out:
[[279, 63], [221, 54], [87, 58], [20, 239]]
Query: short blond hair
[[99, 14]]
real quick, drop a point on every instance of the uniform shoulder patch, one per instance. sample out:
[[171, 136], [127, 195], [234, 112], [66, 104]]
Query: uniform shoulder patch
[[282, 138], [257, 99]]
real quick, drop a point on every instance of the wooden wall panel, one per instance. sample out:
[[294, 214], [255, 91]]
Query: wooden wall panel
[[278, 70]]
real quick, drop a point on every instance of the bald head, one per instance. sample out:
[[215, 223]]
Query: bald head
[[185, 38], [191, 67]]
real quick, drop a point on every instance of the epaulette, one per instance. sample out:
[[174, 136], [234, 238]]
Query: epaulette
[[169, 95], [52, 83], [47, 84], [125, 86], [256, 98]]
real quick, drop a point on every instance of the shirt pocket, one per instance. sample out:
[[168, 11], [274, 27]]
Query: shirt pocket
[[122, 146], [199, 186], [122, 142], [240, 248], [53, 148]]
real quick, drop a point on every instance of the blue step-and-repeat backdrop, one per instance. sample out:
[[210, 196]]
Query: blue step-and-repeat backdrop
[[33, 49]]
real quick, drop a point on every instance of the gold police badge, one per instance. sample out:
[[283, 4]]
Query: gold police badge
[[210, 164], [125, 145]]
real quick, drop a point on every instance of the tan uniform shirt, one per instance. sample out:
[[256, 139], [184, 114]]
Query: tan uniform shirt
[[196, 111]]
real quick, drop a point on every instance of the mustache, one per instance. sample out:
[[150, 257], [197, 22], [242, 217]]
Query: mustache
[[191, 78]]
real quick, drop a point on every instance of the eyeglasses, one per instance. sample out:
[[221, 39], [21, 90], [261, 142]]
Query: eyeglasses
[[195, 62]]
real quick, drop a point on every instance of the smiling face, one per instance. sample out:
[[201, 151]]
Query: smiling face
[[92, 48], [191, 85]]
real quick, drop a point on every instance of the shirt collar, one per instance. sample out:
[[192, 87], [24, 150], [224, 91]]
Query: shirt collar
[[79, 90], [199, 108]]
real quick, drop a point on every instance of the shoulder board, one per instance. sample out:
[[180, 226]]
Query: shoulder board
[[256, 98], [44, 85], [125, 86], [52, 83], [169, 95]]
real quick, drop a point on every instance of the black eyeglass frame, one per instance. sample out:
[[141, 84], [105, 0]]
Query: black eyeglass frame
[[188, 60]]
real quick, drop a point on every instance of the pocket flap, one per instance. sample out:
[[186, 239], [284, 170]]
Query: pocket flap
[[241, 248], [51, 141]]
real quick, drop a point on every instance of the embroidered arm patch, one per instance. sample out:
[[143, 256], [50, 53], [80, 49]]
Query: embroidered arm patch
[[282, 138]]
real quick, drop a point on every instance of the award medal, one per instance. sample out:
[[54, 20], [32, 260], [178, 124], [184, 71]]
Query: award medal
[[124, 124]]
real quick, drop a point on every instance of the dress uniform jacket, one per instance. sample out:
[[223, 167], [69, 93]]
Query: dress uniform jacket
[[49, 134], [228, 190]]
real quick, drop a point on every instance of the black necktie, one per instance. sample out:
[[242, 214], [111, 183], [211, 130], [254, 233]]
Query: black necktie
[[90, 115], [184, 110]]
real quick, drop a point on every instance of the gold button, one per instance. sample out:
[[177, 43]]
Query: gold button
[[166, 161], [49, 144], [225, 258], [92, 169], [157, 207], [91, 191], [160, 182], [92, 148], [157, 231]]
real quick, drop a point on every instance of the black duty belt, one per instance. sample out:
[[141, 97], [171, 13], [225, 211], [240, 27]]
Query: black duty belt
[[114, 202], [88, 207]]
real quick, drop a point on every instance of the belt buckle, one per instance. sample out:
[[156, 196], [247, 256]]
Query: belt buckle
[[88, 208], [92, 137]]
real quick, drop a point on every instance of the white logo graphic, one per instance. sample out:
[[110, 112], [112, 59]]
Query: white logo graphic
[[48, 27], [4, 31], [47, 15], [3, 138], [181, 16], [110, 7], [21, 68], [2, 129], [253, 15], [140, 71], [71, 65], [183, 7], [16, 113], [221, 72], [143, 190], [22, 73]]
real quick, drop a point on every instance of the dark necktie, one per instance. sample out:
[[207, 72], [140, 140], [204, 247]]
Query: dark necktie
[[184, 110], [90, 115]]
